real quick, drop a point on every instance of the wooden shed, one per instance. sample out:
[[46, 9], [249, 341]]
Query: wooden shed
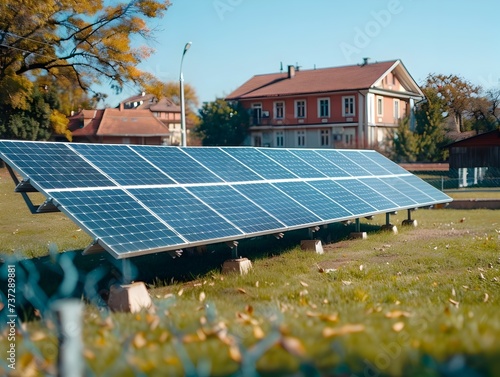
[[475, 157]]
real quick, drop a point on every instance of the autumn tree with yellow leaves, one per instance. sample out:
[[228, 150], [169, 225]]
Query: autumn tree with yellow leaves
[[66, 46]]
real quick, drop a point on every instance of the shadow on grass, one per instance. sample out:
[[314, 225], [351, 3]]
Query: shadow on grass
[[42, 280]]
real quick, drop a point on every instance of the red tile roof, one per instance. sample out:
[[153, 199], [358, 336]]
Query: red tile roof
[[353, 77], [133, 122], [85, 123]]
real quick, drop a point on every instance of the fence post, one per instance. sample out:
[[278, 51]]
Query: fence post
[[69, 326]]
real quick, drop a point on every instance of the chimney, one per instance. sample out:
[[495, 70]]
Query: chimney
[[291, 71], [121, 106], [365, 62]]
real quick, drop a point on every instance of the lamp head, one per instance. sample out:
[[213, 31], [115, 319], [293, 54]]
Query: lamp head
[[187, 46]]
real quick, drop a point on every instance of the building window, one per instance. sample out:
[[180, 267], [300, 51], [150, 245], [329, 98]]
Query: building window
[[300, 109], [279, 110], [380, 106], [324, 107], [280, 138], [256, 113], [324, 138], [257, 141], [348, 109], [301, 138], [396, 109]]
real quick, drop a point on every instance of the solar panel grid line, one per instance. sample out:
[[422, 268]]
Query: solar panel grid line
[[177, 164], [381, 186], [352, 202], [276, 202], [324, 165], [360, 158], [365, 193], [125, 166], [215, 210], [286, 158], [282, 225], [229, 168], [234, 151], [313, 199], [333, 200]]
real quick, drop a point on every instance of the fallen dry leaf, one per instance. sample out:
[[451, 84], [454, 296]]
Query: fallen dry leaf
[[139, 340], [454, 303], [293, 346], [304, 284], [241, 290], [234, 353], [397, 314], [398, 326], [486, 297], [329, 332], [333, 317], [258, 333], [202, 296], [346, 282]]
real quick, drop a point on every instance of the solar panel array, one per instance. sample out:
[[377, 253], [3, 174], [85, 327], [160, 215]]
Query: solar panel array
[[136, 200]]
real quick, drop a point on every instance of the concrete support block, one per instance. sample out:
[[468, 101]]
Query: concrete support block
[[358, 235], [241, 266], [390, 228], [312, 245], [129, 297], [409, 222]]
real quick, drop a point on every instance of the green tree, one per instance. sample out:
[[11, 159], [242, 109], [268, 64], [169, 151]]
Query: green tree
[[430, 127], [404, 143], [37, 120], [223, 123], [76, 44]]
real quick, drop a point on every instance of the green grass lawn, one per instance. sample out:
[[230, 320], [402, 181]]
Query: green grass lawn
[[423, 302]]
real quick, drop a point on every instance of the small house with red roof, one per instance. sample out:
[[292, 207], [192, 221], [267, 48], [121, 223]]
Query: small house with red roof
[[351, 106], [118, 126]]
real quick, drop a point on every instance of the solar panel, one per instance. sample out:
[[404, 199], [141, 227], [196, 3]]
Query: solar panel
[[135, 200]]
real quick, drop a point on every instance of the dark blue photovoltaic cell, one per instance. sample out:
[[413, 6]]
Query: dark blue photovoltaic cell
[[185, 214], [377, 200], [426, 188], [246, 215], [389, 191], [314, 158], [53, 165], [313, 199], [122, 164], [117, 220], [385, 162], [177, 164], [343, 197], [277, 204], [259, 162], [290, 161], [404, 188], [361, 158], [228, 168], [338, 158]]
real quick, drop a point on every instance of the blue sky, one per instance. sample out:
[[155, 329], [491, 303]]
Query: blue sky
[[236, 39]]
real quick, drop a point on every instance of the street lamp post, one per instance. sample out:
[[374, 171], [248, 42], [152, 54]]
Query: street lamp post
[[183, 112]]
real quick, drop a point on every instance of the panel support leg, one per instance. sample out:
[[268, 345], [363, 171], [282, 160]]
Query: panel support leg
[[357, 231], [409, 221], [388, 226]]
